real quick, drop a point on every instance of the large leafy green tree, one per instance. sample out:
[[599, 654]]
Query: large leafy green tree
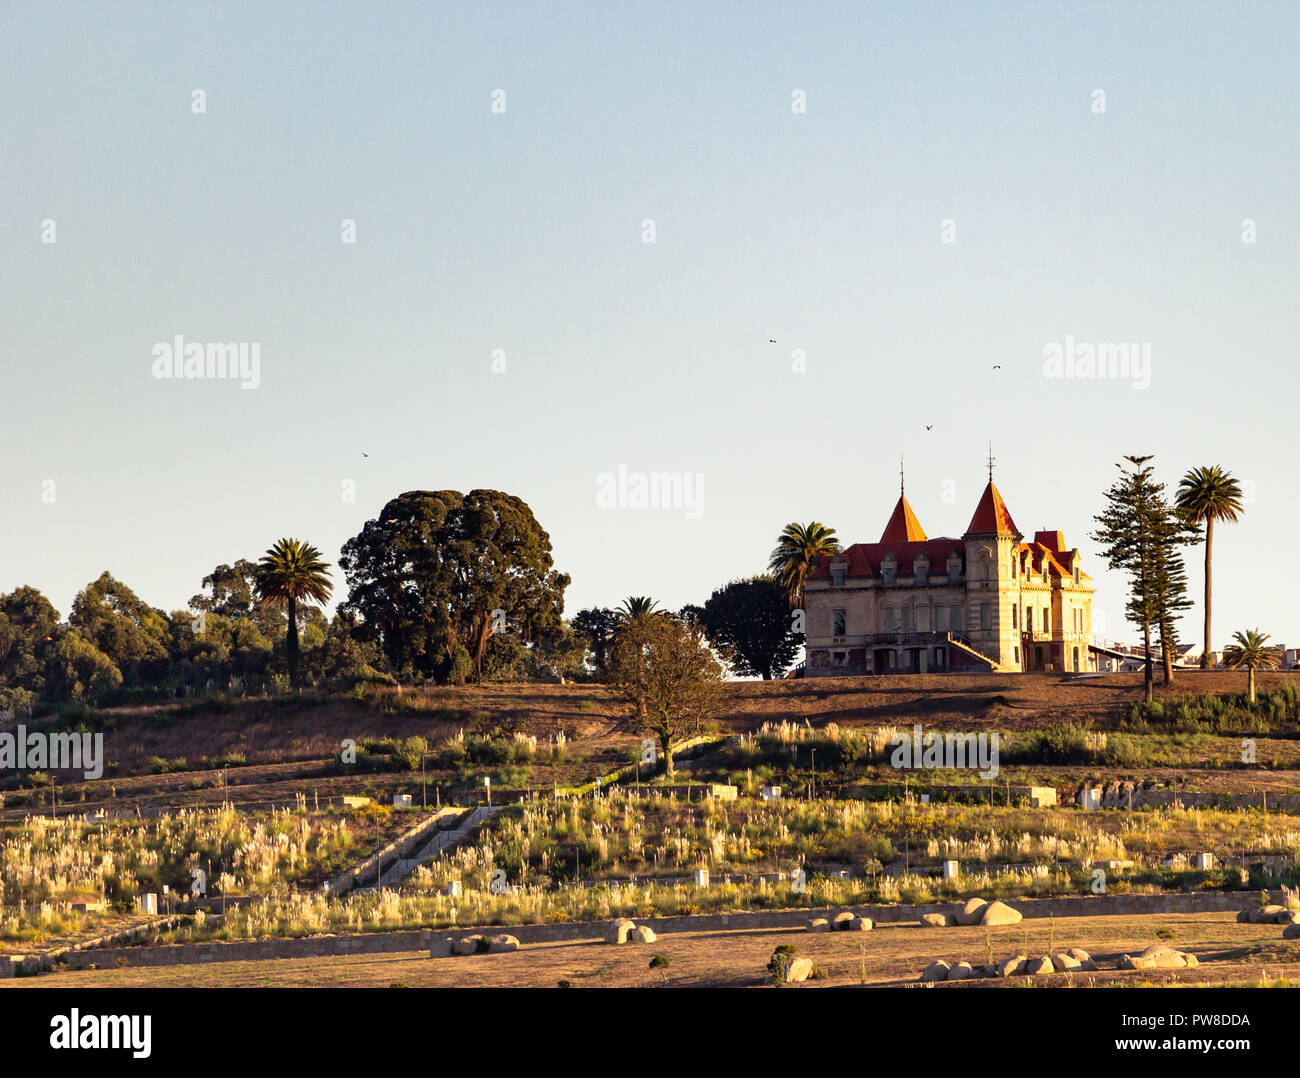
[[79, 669], [134, 635], [748, 621], [1206, 495], [231, 592], [438, 572], [1251, 649], [665, 667], [797, 550], [290, 574], [28, 632], [598, 625]]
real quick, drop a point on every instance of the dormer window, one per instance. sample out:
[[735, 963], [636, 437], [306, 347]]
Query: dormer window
[[888, 569], [837, 577], [921, 570], [954, 567]]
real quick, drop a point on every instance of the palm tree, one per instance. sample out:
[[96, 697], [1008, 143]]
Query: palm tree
[[1250, 650], [292, 572], [636, 605], [797, 550], [1204, 496]]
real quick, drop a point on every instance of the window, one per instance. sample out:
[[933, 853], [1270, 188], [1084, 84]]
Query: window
[[1047, 620], [907, 619], [837, 578], [1029, 619], [986, 621], [923, 619], [1017, 650], [1013, 617], [838, 623], [839, 658], [940, 618], [957, 625]]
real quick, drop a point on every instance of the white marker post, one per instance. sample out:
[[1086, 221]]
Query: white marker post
[[487, 783]]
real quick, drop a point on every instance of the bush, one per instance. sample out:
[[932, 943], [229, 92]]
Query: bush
[[779, 964], [661, 961], [410, 752]]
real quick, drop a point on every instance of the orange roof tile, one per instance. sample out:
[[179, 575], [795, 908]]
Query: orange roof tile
[[991, 515], [903, 527]]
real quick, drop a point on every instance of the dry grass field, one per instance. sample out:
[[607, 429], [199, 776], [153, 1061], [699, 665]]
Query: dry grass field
[[888, 956]]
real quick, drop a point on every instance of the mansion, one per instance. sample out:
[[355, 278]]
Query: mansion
[[988, 601]]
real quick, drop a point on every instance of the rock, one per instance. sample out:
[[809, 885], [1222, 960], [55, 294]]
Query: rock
[[800, 969], [1190, 959], [1011, 966], [1266, 915], [1291, 932], [641, 934], [935, 971], [442, 948], [970, 913], [467, 945], [1157, 956], [933, 920], [858, 924], [503, 944], [1243, 917], [842, 921], [1283, 916], [819, 924], [1079, 953], [960, 972], [1065, 963], [618, 930], [999, 913], [1036, 966], [1088, 965]]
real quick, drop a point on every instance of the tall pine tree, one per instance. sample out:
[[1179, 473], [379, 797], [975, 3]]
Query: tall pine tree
[[1142, 536]]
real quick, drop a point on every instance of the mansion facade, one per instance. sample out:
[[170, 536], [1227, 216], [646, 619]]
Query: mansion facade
[[988, 601]]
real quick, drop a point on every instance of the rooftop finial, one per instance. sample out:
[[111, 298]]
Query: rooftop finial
[[900, 475], [990, 462]]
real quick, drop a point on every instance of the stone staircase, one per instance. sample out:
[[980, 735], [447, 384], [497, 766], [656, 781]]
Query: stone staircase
[[965, 645], [443, 840]]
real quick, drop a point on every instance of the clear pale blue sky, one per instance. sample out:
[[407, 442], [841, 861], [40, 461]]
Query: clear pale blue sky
[[522, 232]]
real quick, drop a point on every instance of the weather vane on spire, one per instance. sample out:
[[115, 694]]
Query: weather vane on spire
[[990, 462], [900, 475]]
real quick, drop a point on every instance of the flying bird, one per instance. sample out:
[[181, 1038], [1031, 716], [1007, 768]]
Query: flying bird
[[997, 366], [930, 427], [771, 340], [365, 454]]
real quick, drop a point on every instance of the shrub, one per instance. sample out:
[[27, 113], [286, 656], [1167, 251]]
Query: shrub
[[779, 964], [661, 961]]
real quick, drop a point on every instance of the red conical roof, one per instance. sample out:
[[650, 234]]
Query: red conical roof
[[991, 516], [903, 527]]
